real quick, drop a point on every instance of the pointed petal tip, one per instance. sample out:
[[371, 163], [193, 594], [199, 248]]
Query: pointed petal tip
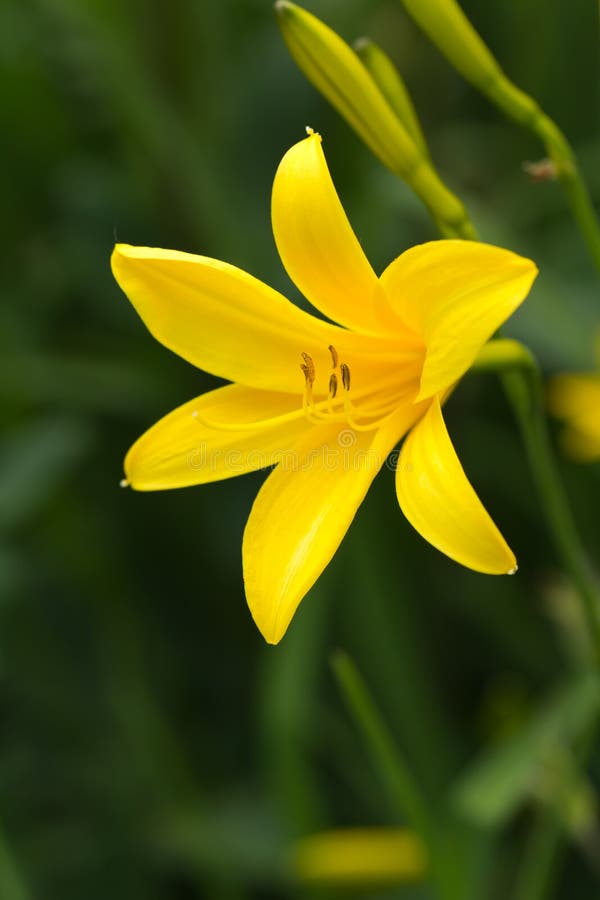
[[440, 503], [124, 483], [270, 628], [271, 640], [514, 570]]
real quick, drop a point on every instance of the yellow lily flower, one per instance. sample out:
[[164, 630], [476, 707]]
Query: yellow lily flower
[[326, 403], [575, 398]]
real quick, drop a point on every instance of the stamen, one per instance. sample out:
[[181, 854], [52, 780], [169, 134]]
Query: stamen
[[308, 368], [345, 373], [350, 414], [368, 414]]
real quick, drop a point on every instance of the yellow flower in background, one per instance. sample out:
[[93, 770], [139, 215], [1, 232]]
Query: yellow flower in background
[[575, 398], [360, 857], [325, 403]]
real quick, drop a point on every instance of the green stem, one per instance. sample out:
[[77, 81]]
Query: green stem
[[541, 857], [12, 886], [576, 192], [448, 27], [545, 848], [525, 389], [521, 378], [403, 790], [524, 110]]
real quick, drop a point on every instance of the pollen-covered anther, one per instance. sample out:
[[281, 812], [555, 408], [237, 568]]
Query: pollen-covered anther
[[308, 367], [334, 356], [345, 373], [333, 385]]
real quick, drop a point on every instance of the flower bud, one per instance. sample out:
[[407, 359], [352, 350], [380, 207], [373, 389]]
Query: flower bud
[[337, 72], [389, 81]]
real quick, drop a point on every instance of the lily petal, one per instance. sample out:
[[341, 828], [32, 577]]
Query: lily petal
[[455, 294], [230, 324], [198, 443], [316, 243], [303, 511], [438, 500]]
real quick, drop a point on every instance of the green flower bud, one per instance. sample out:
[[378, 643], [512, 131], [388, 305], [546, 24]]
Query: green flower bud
[[337, 72], [444, 22], [389, 81]]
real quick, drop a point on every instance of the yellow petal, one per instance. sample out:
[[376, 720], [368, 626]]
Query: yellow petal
[[315, 240], [225, 321], [187, 447], [218, 317], [455, 294], [303, 511], [438, 500]]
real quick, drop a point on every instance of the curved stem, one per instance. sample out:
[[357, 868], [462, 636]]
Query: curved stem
[[576, 192], [404, 792], [12, 885], [545, 848], [521, 378], [524, 110]]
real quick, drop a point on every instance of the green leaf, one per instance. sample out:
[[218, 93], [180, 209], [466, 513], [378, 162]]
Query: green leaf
[[492, 789]]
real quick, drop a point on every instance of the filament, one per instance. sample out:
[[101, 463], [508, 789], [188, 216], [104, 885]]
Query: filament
[[339, 406]]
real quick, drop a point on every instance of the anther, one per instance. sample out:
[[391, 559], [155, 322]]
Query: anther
[[308, 368], [333, 385], [334, 356], [345, 373]]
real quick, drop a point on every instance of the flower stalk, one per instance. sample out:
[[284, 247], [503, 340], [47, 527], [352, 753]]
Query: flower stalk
[[12, 885], [524, 388], [449, 29], [396, 776], [521, 378]]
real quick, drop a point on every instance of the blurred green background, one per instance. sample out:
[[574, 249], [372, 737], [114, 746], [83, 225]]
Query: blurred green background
[[152, 746]]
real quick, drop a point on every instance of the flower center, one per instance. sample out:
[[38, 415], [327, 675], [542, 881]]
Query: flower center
[[367, 409], [363, 411]]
